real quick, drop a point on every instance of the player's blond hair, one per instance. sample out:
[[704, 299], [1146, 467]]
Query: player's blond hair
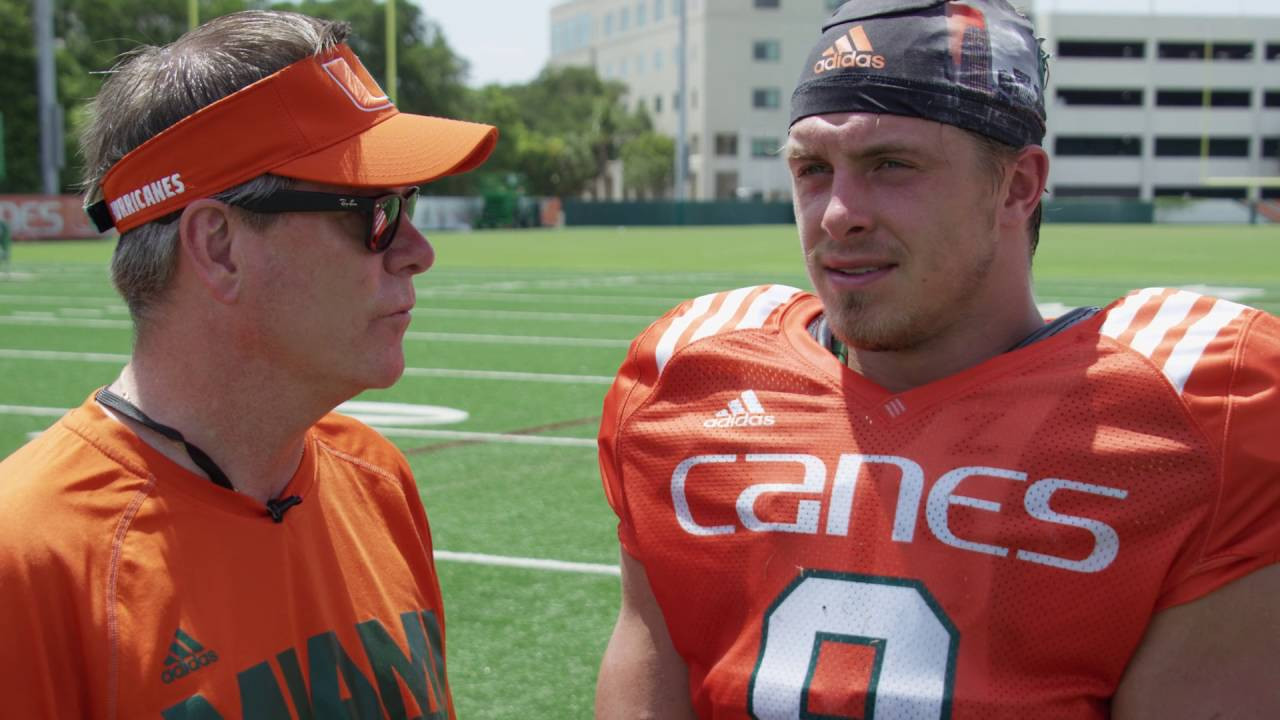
[[994, 156]]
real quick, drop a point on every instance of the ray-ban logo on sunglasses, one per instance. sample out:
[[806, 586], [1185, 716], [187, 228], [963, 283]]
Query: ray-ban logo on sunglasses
[[348, 202]]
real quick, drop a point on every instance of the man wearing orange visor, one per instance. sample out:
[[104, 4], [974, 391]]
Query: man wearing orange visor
[[204, 537]]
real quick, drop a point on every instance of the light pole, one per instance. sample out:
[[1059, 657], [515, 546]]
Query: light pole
[[682, 141], [50, 115]]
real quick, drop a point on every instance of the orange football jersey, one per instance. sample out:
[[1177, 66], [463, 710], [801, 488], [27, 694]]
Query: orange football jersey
[[131, 588], [990, 545]]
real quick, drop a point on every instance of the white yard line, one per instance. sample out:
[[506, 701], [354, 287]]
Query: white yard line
[[533, 315], [507, 375], [425, 296], [27, 319], [33, 318], [457, 374], [103, 301], [528, 563], [61, 356], [489, 437], [547, 440], [32, 410], [515, 339]]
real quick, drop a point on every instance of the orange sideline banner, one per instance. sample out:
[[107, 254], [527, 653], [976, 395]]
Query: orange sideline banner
[[46, 217]]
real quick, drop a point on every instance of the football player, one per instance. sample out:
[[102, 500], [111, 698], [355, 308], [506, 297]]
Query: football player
[[908, 495]]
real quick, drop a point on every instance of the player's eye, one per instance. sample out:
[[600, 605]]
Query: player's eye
[[811, 168]]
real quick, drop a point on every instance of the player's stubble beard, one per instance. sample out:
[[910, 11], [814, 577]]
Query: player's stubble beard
[[867, 323]]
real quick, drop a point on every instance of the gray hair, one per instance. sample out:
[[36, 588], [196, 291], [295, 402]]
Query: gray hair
[[151, 88]]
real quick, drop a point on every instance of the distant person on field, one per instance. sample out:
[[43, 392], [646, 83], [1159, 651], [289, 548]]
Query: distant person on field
[[205, 538], [910, 496], [6, 243]]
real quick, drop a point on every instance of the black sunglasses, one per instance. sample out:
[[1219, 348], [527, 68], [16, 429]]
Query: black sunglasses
[[384, 212]]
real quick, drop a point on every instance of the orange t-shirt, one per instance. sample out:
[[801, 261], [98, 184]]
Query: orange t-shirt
[[990, 545], [131, 588]]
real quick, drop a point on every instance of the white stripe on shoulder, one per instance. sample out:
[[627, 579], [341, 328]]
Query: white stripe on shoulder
[[1119, 319], [1187, 352], [712, 325], [764, 306], [753, 317], [1172, 312], [667, 343]]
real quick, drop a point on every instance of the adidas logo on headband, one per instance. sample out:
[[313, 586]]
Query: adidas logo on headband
[[852, 49]]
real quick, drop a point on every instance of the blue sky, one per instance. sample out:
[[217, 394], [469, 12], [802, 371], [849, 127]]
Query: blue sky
[[508, 41], [505, 41]]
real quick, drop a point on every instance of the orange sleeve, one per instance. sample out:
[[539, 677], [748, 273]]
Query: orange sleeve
[[1244, 533], [683, 325], [635, 380]]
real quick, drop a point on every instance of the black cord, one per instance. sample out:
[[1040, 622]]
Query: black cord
[[276, 508], [198, 456]]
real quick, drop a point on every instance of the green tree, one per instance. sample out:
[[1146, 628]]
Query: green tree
[[18, 88], [648, 163], [430, 76], [97, 34], [560, 130], [92, 35]]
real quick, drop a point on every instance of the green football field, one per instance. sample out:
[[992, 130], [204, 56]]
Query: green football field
[[522, 331]]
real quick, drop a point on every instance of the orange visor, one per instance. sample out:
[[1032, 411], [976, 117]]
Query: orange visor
[[322, 119]]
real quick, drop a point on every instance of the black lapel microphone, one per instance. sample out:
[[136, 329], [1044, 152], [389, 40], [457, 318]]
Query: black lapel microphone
[[279, 506]]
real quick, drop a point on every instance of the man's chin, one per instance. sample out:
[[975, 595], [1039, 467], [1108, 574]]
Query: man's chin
[[383, 375], [869, 335]]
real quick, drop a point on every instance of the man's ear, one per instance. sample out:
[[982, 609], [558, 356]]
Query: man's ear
[[208, 232], [1024, 185]]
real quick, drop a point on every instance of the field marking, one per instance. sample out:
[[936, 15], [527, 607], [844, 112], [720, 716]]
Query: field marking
[[485, 339], [532, 315], [1226, 292], [108, 301], [507, 375], [62, 356], [453, 373], [528, 563], [522, 432], [66, 322], [557, 441], [31, 318], [449, 294], [478, 437], [537, 280], [32, 410]]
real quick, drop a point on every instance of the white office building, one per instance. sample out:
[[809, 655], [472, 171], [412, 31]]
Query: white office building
[[1126, 99], [1145, 106]]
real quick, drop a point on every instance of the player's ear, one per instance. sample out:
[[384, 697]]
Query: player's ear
[[1024, 186], [207, 233]]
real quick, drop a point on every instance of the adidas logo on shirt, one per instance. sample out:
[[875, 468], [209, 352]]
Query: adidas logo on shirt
[[743, 411], [186, 656]]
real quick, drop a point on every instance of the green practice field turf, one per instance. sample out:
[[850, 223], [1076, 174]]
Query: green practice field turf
[[523, 331]]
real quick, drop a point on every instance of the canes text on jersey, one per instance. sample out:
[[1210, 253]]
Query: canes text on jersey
[[911, 489]]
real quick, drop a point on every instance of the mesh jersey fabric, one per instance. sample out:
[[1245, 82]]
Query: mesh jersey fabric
[[991, 545], [135, 589]]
